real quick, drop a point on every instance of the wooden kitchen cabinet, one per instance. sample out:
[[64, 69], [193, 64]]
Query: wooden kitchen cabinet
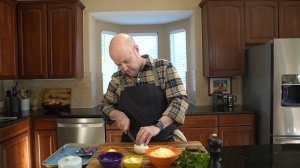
[[268, 19], [8, 37], [289, 19], [15, 142], [112, 133], [261, 21], [45, 139], [200, 128], [237, 129], [50, 39], [223, 38]]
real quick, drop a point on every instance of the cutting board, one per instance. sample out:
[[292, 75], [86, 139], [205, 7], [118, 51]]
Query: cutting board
[[62, 95], [128, 149]]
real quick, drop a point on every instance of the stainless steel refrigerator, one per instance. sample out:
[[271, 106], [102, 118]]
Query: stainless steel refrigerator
[[271, 87]]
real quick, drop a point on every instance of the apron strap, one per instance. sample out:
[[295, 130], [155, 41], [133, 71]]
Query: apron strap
[[123, 81], [154, 72]]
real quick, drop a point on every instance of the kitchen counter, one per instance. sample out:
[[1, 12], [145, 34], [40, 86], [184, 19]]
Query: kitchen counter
[[207, 110], [247, 156], [261, 156], [95, 112]]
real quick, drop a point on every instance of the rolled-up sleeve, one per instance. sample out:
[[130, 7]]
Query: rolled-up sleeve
[[176, 96], [110, 99]]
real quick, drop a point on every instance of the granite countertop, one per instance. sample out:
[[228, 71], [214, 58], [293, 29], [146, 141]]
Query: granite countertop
[[95, 112], [261, 156], [207, 110]]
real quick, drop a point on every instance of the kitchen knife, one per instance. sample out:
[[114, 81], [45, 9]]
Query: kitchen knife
[[130, 136]]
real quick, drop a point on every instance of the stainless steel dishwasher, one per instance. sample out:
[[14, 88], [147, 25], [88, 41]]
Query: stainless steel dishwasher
[[80, 130]]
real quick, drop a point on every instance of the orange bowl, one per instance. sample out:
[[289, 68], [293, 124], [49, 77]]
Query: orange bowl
[[111, 149], [159, 158]]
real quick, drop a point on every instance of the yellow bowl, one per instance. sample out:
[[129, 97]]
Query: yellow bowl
[[133, 161]]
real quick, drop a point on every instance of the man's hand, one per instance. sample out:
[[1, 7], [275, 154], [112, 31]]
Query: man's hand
[[121, 119], [146, 133]]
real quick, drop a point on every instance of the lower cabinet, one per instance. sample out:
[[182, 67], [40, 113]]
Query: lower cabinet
[[237, 135], [200, 127], [199, 134], [237, 129], [15, 145], [113, 133], [233, 129], [45, 139]]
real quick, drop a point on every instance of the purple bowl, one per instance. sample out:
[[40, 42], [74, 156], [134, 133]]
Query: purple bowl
[[110, 159]]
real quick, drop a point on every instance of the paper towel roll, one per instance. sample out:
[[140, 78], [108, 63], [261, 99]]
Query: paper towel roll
[[70, 162]]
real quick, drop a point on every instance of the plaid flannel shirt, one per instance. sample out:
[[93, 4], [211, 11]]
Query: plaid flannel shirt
[[169, 81]]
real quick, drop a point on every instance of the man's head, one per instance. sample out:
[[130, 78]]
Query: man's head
[[125, 53]]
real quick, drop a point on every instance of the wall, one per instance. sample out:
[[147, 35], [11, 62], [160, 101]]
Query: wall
[[87, 92]]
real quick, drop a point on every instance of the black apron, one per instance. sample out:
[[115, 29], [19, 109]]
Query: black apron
[[144, 105]]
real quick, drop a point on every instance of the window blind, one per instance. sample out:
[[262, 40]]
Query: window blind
[[108, 66], [178, 52], [147, 42]]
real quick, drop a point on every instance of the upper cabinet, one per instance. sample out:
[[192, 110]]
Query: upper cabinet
[[261, 20], [50, 39], [8, 47], [289, 18], [223, 38], [268, 19]]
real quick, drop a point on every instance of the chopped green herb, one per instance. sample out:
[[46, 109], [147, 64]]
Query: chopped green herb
[[189, 159]]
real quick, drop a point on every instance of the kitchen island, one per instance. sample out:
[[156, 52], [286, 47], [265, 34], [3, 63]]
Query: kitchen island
[[245, 156]]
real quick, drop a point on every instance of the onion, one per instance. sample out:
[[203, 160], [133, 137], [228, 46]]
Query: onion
[[140, 149]]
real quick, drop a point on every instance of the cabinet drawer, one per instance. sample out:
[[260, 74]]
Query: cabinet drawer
[[44, 123], [201, 121], [236, 119]]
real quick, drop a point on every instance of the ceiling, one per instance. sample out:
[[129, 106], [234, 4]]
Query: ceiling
[[142, 17]]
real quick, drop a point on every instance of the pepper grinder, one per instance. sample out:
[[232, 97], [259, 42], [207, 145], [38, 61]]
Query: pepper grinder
[[214, 143]]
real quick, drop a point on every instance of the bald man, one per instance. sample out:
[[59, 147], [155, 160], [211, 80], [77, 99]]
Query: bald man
[[145, 97]]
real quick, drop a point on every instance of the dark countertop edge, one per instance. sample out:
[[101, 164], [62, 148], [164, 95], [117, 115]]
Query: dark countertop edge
[[210, 110], [95, 113]]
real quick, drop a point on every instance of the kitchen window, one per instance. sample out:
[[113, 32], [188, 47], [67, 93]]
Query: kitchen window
[[147, 42], [178, 52], [108, 66]]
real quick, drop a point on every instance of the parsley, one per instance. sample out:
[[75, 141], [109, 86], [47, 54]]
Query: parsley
[[189, 159]]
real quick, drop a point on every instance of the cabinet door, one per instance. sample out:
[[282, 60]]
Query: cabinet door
[[45, 145], [237, 129], [200, 128], [8, 54], [289, 19], [61, 41], [113, 135], [237, 135], [32, 41], [223, 38], [261, 20], [199, 134], [15, 152]]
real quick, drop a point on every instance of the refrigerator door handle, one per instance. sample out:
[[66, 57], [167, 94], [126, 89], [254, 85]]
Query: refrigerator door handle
[[287, 138]]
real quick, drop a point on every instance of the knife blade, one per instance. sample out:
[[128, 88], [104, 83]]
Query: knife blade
[[130, 136]]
